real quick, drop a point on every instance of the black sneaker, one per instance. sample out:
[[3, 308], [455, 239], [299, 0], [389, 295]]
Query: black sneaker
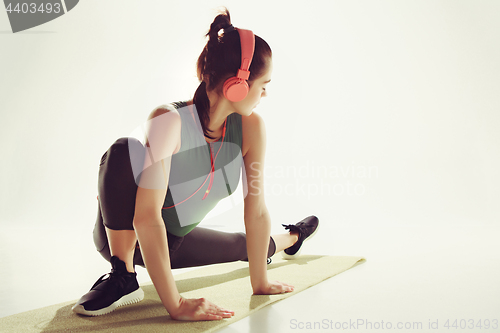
[[306, 228], [111, 291]]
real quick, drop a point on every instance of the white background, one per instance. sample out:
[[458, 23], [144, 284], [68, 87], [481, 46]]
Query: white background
[[405, 89]]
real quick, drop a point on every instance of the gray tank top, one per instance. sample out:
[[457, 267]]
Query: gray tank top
[[191, 165]]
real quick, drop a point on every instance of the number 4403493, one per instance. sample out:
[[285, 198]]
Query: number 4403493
[[471, 324]]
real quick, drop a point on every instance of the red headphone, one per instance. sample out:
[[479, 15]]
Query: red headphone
[[236, 88]]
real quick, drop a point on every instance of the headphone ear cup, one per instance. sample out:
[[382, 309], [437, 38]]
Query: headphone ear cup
[[235, 89]]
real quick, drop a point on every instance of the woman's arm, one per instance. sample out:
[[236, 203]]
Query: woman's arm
[[162, 138], [256, 215], [258, 231], [163, 135]]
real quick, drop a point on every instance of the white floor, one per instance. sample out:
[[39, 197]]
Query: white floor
[[413, 276]]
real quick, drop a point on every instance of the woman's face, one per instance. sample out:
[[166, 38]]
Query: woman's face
[[256, 92]]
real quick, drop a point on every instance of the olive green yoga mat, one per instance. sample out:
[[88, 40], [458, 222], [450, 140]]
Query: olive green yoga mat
[[227, 285]]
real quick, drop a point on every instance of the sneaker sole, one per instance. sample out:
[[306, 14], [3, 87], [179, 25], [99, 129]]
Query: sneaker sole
[[296, 255], [134, 297]]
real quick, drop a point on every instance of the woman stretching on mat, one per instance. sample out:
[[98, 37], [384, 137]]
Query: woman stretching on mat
[[211, 137]]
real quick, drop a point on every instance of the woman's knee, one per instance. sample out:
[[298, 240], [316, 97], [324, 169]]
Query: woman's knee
[[124, 152], [127, 147]]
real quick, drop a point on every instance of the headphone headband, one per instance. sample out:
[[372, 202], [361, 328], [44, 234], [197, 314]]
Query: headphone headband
[[247, 48], [236, 88]]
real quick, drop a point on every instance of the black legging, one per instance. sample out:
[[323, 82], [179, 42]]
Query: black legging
[[117, 191]]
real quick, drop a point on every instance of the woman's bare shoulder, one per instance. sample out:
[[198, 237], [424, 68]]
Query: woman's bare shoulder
[[164, 127], [162, 109]]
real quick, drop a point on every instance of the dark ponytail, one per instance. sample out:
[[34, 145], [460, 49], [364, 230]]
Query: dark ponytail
[[220, 60]]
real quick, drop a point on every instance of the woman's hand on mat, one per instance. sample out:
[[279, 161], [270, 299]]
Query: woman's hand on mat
[[192, 309], [274, 287]]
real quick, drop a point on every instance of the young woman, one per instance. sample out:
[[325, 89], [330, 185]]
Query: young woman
[[152, 196]]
